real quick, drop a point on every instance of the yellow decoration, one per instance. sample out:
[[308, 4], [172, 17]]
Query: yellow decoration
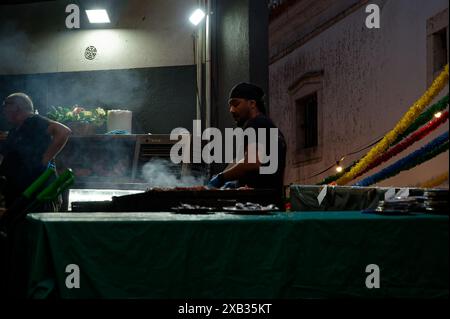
[[77, 113], [435, 181], [100, 111], [412, 114]]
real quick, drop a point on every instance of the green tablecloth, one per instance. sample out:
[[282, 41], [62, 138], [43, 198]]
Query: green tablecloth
[[287, 255]]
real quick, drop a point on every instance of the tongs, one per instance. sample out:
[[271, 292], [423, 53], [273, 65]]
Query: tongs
[[29, 201]]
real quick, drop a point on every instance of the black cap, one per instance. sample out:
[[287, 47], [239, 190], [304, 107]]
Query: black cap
[[247, 91]]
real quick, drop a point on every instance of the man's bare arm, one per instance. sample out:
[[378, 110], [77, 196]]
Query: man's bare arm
[[60, 134], [249, 163]]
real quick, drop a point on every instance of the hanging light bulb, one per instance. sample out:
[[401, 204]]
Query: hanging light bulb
[[339, 167], [438, 115]]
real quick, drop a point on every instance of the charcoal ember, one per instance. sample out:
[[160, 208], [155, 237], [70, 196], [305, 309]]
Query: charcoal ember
[[163, 199], [191, 188], [169, 189]]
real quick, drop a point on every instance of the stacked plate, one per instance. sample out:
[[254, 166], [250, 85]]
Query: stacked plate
[[401, 205], [192, 209], [436, 201], [250, 209], [432, 201]]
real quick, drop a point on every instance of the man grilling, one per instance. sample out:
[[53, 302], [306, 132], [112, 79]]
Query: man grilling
[[30, 147], [246, 102]]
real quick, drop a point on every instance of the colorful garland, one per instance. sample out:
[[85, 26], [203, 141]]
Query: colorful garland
[[421, 120], [435, 181], [335, 177], [415, 137], [425, 158], [424, 118], [432, 149], [410, 116]]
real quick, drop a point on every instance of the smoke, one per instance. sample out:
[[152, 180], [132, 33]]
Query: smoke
[[109, 89], [14, 45], [162, 173]]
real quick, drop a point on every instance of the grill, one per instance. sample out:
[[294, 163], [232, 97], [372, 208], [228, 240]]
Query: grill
[[151, 147], [165, 200]]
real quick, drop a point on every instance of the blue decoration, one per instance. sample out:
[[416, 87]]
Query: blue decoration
[[404, 163]]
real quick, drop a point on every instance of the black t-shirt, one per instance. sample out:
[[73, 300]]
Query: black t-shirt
[[22, 155], [268, 181]]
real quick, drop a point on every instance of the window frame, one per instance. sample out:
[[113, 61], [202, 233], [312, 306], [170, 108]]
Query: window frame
[[308, 84], [435, 24]]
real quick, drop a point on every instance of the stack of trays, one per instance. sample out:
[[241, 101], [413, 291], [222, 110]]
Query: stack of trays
[[401, 205], [432, 201], [436, 201]]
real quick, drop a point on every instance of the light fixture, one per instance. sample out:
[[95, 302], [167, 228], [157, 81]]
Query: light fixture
[[438, 115], [339, 167], [197, 16], [98, 16]]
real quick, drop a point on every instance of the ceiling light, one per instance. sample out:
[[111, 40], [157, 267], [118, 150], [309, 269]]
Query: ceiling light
[[98, 16], [197, 17]]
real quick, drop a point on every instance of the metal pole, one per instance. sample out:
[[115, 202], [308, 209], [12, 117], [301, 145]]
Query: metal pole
[[208, 66]]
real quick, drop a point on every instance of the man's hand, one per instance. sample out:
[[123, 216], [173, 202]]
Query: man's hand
[[217, 181], [231, 185], [45, 160]]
